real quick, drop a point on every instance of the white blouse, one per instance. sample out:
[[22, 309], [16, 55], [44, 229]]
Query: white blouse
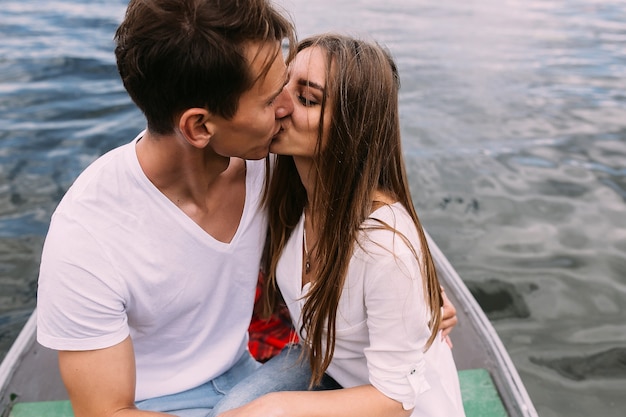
[[382, 319]]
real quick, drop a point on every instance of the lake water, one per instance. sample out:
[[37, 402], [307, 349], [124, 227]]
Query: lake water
[[514, 123]]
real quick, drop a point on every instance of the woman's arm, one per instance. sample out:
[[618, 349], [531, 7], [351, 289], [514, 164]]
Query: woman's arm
[[362, 401]]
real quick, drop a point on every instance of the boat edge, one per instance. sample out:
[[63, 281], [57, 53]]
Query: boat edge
[[505, 365], [14, 356]]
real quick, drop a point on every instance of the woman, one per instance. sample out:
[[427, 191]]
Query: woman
[[365, 297]]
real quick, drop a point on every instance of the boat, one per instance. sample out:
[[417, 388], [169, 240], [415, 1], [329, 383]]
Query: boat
[[30, 384]]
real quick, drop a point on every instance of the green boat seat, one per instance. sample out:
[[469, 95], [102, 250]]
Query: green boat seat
[[480, 399], [480, 396], [42, 409]]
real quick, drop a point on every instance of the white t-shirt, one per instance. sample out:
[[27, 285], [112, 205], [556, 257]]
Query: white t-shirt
[[382, 319], [121, 259]]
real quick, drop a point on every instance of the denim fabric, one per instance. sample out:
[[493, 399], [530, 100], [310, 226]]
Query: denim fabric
[[198, 402], [284, 372]]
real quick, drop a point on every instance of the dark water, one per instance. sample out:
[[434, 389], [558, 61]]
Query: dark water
[[514, 121]]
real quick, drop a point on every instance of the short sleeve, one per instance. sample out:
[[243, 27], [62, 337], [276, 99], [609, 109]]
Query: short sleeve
[[80, 302]]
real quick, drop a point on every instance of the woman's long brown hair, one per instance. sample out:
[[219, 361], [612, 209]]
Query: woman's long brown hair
[[362, 154]]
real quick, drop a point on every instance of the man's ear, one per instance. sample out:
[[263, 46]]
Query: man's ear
[[197, 127]]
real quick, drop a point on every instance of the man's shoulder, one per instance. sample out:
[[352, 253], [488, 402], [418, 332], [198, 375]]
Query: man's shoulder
[[107, 176], [103, 163]]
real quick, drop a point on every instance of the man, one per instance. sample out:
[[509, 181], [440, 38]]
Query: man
[[150, 265], [149, 269]]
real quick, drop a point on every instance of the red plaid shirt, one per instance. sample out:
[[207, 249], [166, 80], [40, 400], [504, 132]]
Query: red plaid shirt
[[268, 337]]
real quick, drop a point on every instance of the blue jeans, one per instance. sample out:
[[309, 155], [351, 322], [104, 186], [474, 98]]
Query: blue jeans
[[198, 402], [284, 372]]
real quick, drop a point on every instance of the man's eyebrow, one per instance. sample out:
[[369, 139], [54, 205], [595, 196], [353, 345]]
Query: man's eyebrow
[[308, 83]]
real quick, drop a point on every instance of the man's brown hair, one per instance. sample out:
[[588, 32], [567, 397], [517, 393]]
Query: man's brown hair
[[173, 55]]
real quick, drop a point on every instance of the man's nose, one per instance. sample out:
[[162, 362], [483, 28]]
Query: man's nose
[[283, 105]]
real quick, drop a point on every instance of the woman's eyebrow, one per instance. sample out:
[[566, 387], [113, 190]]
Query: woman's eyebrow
[[307, 83]]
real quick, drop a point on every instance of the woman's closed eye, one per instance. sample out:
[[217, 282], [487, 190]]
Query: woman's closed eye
[[306, 101]]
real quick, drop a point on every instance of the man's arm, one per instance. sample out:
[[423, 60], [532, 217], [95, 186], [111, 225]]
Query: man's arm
[[101, 383]]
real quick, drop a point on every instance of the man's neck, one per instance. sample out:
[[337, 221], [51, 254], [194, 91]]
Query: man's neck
[[208, 188], [174, 166]]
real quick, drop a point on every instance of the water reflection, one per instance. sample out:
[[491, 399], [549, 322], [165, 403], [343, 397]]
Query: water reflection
[[499, 299], [607, 364]]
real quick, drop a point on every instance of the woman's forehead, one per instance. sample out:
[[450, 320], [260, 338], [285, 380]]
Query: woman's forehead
[[310, 61]]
